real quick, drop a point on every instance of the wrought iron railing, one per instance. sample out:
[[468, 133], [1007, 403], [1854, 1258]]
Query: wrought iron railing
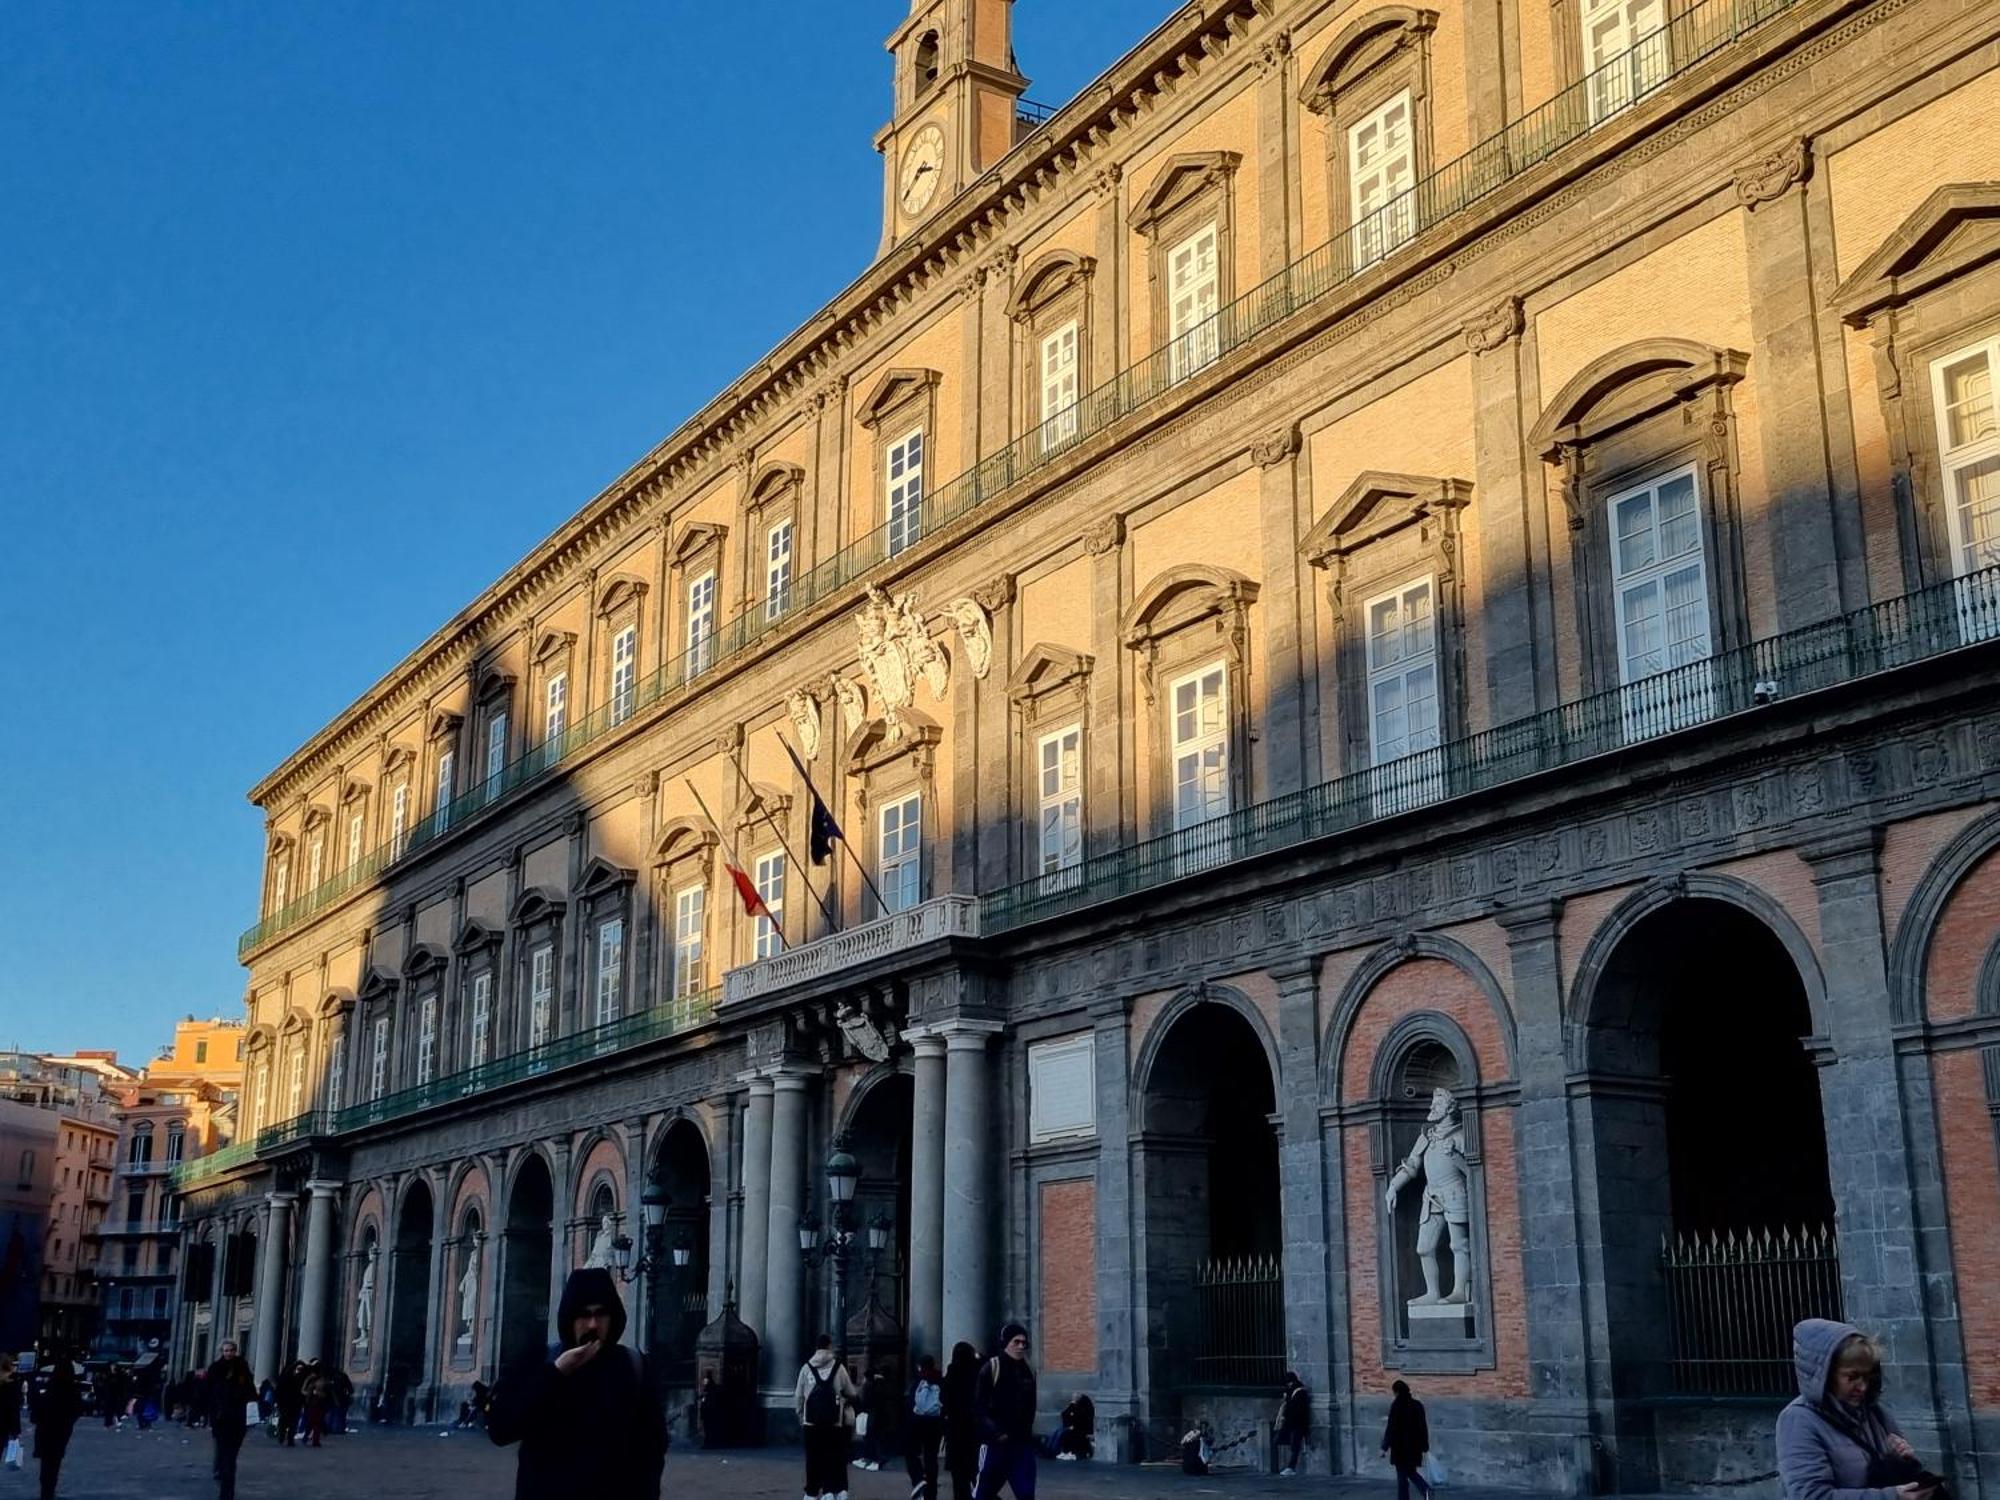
[[1894, 633], [1240, 1332], [1733, 1299], [1034, 115], [1621, 83]]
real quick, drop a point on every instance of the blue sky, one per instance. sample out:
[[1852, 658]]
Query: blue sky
[[314, 317]]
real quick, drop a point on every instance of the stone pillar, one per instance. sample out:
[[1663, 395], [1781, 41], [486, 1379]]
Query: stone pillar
[[437, 1284], [750, 1276], [784, 1304], [927, 1150], [635, 1228], [1290, 694], [968, 1176], [270, 1305], [993, 769], [1516, 627], [1110, 732], [559, 1215], [1301, 1191], [1117, 1399], [319, 1271]]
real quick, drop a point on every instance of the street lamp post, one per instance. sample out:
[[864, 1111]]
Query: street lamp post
[[657, 1255], [843, 1173]]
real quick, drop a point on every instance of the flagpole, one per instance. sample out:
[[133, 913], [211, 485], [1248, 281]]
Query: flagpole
[[880, 905], [750, 786], [729, 846]]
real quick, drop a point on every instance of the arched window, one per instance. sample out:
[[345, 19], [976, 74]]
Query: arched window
[[926, 72]]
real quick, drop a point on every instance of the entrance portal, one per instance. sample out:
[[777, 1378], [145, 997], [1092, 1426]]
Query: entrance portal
[[527, 1248], [679, 1311], [409, 1300]]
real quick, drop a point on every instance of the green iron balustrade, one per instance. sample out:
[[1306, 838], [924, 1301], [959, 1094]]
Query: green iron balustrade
[[1619, 85]]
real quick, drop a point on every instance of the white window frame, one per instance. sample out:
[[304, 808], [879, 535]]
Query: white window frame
[[336, 1069], [295, 1080], [1059, 789], [541, 993], [903, 477], [624, 673], [399, 816], [1978, 598], [690, 923], [378, 1059], [1409, 765], [1625, 52], [315, 858], [262, 1098], [447, 762], [555, 709], [481, 1008], [1194, 298], [608, 972], [1057, 371], [496, 746], [357, 826], [1200, 743], [701, 623], [778, 569], [768, 873], [427, 1014], [1659, 696], [899, 871], [1381, 202], [281, 877]]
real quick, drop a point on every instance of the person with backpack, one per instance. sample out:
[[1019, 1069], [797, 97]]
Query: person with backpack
[[1004, 1407], [1294, 1420], [1406, 1438], [926, 1414], [823, 1398], [585, 1416], [961, 1425]]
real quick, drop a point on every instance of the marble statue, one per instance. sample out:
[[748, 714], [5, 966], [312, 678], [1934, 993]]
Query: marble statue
[[600, 1247], [1438, 1157], [468, 1295], [364, 1302]]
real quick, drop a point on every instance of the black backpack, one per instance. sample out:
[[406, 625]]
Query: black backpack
[[822, 1401]]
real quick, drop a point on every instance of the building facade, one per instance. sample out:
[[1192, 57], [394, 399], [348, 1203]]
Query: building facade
[[1390, 605], [59, 1136], [86, 1141]]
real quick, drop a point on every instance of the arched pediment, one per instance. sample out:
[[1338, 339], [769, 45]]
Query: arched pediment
[[1631, 382], [493, 684], [1045, 667], [475, 937], [1953, 231], [696, 537], [259, 1038], [398, 761], [281, 843], [1183, 177], [892, 390], [874, 744], [1361, 46], [1182, 596], [683, 837], [552, 646], [601, 875], [1378, 504], [317, 817], [619, 591], [773, 482], [336, 1002], [424, 958], [353, 789], [536, 905], [1048, 276], [296, 1023]]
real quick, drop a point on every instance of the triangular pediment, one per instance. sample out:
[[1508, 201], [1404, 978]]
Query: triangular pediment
[[602, 875], [1181, 179], [1376, 505], [892, 390], [424, 958], [876, 742], [536, 905], [1954, 230], [473, 936], [1044, 667], [377, 984]]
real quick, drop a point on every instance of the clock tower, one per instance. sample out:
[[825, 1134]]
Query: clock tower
[[955, 115]]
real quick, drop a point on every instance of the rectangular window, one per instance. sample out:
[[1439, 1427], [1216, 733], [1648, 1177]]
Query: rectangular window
[[496, 746], [261, 1100], [624, 672], [690, 905], [1660, 586], [906, 492], [1625, 51], [1058, 370], [140, 1151], [1969, 462], [336, 1070], [1381, 171], [1060, 773], [135, 1208], [610, 968], [481, 1007], [378, 1059], [201, 1052], [295, 1081], [315, 858], [176, 1144], [701, 625], [541, 993], [399, 816], [770, 877], [1403, 697], [777, 570], [427, 1014], [899, 862], [354, 831], [1200, 706], [1193, 297], [281, 875], [555, 709], [445, 764]]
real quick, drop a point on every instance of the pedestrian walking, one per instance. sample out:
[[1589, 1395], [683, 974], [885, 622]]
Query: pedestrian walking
[[12, 1398], [318, 1390], [1837, 1438], [1406, 1439], [824, 1400], [111, 1397], [871, 1414], [1004, 1405], [925, 1414], [1294, 1420], [584, 1416], [232, 1392], [56, 1403], [290, 1396], [343, 1398], [961, 1420]]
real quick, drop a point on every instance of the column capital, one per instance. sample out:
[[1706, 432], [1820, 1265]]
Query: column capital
[[1844, 855], [925, 1041], [281, 1199], [321, 1188], [789, 1080], [1531, 921], [1301, 973], [756, 1080], [963, 1035]]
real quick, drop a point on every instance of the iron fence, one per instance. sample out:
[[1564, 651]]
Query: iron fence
[[1241, 1327], [1621, 83], [1733, 1298]]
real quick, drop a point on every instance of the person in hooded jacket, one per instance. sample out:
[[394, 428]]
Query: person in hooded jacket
[[823, 1398], [924, 1413], [231, 1389], [1294, 1421], [1836, 1441], [961, 1424], [585, 1416], [55, 1403], [1406, 1438], [1004, 1406]]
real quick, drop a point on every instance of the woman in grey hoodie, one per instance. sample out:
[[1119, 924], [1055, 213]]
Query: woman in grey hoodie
[[1837, 1428]]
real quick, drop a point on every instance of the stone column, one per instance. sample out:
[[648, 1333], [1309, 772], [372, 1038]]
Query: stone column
[[750, 1276], [635, 1228], [319, 1271], [1301, 1191], [784, 1307], [559, 1215], [270, 1305], [1110, 732], [927, 1149], [1117, 1400], [968, 1177]]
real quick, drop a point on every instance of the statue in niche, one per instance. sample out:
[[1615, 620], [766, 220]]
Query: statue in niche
[[600, 1247], [468, 1293], [364, 1303], [1438, 1158]]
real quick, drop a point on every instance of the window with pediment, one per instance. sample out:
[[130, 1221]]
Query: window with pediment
[[1188, 218], [469, 1019], [425, 974], [603, 901], [551, 706], [446, 779], [494, 732], [1050, 694], [620, 606], [532, 1016], [895, 788], [696, 614], [1372, 84], [901, 414], [683, 877], [1050, 311], [771, 540]]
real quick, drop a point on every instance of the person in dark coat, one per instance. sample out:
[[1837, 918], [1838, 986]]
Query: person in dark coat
[[11, 1396], [55, 1404], [1294, 1419], [924, 1411], [1406, 1439], [231, 1389], [584, 1417], [1004, 1408], [1078, 1438], [291, 1398], [708, 1408], [961, 1426]]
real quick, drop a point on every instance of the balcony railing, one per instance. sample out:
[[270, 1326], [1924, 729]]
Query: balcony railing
[[945, 916], [1897, 632], [1622, 83]]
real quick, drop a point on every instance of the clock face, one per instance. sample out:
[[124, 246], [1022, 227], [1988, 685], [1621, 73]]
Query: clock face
[[923, 165]]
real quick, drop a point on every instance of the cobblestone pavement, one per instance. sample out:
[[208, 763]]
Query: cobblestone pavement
[[171, 1463]]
